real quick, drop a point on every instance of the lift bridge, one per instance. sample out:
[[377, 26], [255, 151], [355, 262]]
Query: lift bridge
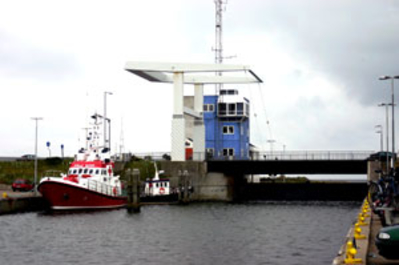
[[198, 75]]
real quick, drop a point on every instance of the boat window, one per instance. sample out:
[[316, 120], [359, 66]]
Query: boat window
[[103, 172], [157, 185], [75, 171], [85, 171], [166, 184], [97, 171], [80, 171], [70, 171], [91, 171]]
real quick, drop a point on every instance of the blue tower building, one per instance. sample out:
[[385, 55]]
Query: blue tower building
[[226, 119]]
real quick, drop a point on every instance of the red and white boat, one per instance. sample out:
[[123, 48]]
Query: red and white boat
[[90, 183]]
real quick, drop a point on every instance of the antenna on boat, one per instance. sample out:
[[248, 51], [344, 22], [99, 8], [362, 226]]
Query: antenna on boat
[[122, 140], [105, 122], [87, 137], [156, 177]]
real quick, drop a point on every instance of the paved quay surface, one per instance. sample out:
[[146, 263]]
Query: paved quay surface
[[366, 250], [372, 253], [15, 194]]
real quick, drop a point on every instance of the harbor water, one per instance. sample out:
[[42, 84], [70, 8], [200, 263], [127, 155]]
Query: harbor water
[[212, 233]]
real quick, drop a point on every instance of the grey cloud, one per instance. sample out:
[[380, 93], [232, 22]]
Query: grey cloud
[[22, 60], [351, 42]]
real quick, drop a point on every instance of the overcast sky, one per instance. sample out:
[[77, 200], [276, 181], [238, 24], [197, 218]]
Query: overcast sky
[[319, 60]]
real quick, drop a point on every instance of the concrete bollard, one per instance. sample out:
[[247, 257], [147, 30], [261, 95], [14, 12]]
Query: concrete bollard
[[133, 191]]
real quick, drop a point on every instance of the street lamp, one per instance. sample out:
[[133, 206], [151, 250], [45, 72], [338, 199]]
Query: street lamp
[[387, 129], [105, 119], [392, 78], [379, 130], [37, 119], [271, 142]]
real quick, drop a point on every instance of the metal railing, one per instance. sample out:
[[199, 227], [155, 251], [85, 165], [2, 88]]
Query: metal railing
[[102, 187], [312, 155], [268, 156]]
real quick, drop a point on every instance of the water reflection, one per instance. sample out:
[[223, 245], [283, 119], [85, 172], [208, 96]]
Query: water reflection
[[217, 233]]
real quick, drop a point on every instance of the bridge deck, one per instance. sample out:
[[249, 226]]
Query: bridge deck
[[289, 167]]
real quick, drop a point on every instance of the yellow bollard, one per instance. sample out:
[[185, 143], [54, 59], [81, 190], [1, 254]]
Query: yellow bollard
[[358, 232], [361, 221], [5, 195], [365, 213], [350, 254]]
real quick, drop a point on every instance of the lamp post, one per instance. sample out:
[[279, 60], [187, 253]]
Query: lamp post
[[105, 118], [379, 130], [37, 119], [392, 78], [387, 129], [271, 142], [284, 146]]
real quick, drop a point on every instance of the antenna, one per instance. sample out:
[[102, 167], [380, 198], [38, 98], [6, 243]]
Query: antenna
[[87, 137], [218, 31], [122, 140], [220, 7]]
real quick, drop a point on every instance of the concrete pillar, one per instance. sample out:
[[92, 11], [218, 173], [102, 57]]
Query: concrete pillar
[[199, 127], [178, 122]]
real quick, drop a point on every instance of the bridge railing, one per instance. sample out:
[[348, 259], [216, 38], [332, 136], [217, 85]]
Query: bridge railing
[[312, 155], [268, 155]]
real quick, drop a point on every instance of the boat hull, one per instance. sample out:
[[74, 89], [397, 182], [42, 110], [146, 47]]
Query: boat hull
[[62, 196]]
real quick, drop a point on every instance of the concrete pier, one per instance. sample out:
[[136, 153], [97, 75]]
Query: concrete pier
[[206, 186], [366, 251], [17, 202], [356, 243]]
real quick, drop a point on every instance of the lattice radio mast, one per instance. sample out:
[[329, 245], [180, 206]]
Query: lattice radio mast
[[220, 7]]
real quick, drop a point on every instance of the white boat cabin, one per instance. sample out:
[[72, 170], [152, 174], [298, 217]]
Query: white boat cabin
[[157, 187]]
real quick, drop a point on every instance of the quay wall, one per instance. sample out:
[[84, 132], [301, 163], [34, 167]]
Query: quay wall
[[359, 240], [22, 204], [213, 186], [207, 186], [323, 191]]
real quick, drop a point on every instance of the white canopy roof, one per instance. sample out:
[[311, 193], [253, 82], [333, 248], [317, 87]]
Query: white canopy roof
[[163, 72]]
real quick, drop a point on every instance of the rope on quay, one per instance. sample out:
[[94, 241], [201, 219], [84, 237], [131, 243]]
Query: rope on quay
[[354, 250]]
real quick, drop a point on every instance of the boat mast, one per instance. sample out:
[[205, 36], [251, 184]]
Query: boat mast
[[105, 122], [121, 141]]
